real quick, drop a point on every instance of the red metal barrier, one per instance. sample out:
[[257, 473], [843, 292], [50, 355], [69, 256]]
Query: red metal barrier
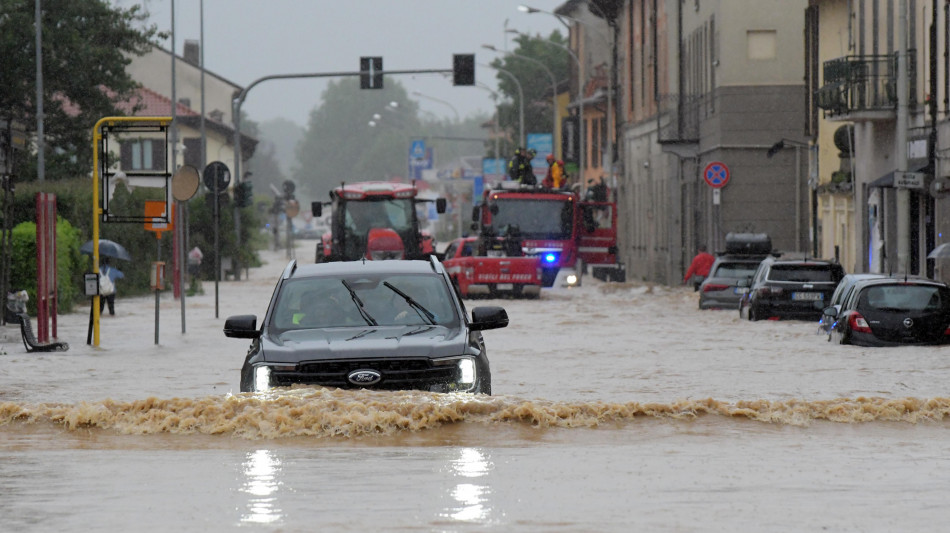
[[46, 288]]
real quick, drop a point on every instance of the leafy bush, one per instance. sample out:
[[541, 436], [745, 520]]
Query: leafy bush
[[69, 270]]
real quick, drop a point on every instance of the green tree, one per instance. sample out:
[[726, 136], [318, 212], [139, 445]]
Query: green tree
[[535, 82], [340, 144], [86, 47], [450, 140]]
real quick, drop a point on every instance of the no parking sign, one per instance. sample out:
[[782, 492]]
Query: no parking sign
[[716, 174]]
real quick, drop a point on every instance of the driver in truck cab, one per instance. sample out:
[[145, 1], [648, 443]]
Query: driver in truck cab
[[366, 217]]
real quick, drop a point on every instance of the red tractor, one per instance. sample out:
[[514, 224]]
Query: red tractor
[[374, 220]]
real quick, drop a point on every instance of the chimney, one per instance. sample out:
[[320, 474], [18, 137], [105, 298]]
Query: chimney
[[192, 52]]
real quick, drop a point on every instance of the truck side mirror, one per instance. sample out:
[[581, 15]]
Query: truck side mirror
[[475, 214], [316, 209], [440, 204]]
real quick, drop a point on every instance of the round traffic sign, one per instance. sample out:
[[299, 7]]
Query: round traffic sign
[[216, 171], [716, 174], [292, 208], [185, 183]]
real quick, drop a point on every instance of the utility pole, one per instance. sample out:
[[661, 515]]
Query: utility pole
[[900, 148], [40, 135]]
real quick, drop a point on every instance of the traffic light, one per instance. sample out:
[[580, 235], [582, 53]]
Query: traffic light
[[371, 72], [244, 194], [463, 69], [289, 187]]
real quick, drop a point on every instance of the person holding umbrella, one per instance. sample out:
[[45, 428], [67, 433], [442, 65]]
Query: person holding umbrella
[[108, 274], [107, 279]]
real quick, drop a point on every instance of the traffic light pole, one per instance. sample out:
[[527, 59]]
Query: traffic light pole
[[236, 120]]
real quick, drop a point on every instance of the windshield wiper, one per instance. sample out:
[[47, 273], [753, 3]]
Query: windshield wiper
[[359, 305], [424, 313]]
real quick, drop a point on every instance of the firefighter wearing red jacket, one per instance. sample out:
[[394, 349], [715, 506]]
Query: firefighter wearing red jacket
[[699, 267]]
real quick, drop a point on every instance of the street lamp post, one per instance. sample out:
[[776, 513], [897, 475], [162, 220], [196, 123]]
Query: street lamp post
[[580, 116], [376, 122], [434, 99], [495, 125], [550, 75], [520, 101]]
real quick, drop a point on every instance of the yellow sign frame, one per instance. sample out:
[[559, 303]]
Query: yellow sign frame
[[163, 123]]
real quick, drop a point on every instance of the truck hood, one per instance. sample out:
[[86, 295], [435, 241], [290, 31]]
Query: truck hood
[[363, 342]]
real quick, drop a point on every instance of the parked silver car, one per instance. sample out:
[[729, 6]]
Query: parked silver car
[[721, 290], [744, 251]]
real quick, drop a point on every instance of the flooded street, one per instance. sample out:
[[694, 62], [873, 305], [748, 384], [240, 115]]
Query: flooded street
[[615, 407]]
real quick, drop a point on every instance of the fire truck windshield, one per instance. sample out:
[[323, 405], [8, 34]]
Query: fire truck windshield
[[536, 219], [360, 216]]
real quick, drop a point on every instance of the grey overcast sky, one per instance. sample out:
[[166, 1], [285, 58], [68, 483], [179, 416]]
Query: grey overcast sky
[[245, 40]]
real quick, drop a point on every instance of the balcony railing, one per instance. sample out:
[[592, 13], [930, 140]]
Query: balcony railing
[[863, 83], [678, 119]]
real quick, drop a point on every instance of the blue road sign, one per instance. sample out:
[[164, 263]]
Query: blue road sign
[[418, 149]]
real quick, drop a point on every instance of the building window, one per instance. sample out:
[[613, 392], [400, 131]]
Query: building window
[[594, 160], [143, 154]]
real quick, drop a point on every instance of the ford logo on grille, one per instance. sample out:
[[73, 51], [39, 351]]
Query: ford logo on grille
[[364, 377]]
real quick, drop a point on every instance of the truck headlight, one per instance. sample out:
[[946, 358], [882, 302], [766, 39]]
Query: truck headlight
[[261, 378], [571, 279], [466, 372]]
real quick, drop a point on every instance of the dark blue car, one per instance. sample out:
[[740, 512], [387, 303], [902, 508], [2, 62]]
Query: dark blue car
[[392, 325]]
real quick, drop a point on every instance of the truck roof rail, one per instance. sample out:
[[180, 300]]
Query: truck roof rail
[[289, 269]]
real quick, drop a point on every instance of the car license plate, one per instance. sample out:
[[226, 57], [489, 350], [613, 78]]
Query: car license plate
[[505, 286], [807, 296]]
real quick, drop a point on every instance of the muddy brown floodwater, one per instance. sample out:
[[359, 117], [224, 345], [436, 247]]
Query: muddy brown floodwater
[[616, 407]]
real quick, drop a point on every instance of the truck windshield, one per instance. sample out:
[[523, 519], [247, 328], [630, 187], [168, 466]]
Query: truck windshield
[[536, 219], [336, 301], [364, 215]]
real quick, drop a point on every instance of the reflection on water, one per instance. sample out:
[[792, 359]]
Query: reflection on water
[[472, 498], [260, 470]]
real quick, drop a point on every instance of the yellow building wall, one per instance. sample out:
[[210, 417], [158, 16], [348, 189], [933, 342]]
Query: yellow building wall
[[835, 211]]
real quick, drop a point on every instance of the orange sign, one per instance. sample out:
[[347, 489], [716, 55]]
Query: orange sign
[[154, 211]]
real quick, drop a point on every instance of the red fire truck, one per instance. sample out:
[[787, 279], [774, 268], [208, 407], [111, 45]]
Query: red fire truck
[[492, 267], [374, 220], [566, 232]]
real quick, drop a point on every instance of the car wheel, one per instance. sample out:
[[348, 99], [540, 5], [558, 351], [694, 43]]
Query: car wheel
[[753, 314], [844, 338]]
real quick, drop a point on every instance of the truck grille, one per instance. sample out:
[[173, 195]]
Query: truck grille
[[397, 374]]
